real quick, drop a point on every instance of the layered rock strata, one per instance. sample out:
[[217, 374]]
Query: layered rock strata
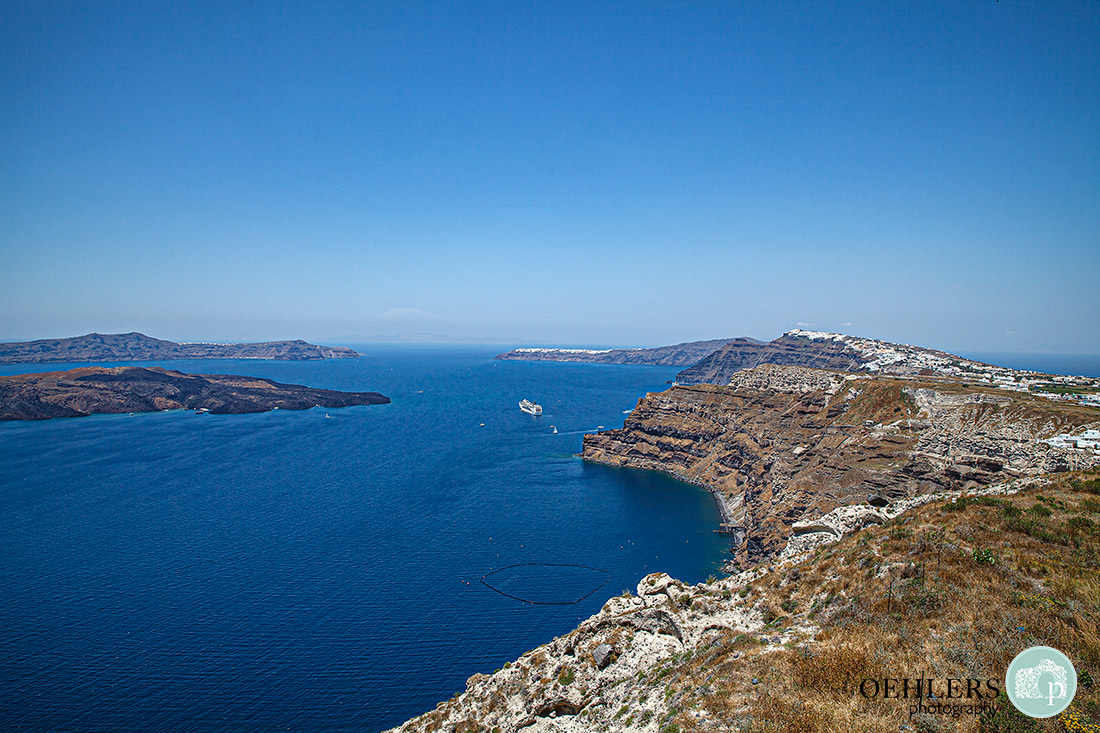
[[781, 445], [740, 354]]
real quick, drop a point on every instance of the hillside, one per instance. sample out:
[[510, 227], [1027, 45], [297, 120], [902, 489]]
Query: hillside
[[841, 352], [100, 347]]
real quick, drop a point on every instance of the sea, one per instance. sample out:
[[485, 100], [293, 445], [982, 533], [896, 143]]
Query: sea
[[325, 569]]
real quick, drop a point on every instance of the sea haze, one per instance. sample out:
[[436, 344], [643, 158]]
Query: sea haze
[[320, 570]]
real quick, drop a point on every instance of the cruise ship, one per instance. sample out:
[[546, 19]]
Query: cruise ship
[[530, 407]]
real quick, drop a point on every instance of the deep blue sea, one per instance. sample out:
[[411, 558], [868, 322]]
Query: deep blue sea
[[320, 570], [1080, 365]]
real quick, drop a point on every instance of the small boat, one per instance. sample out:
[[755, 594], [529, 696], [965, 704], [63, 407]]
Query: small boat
[[530, 407], [555, 429]]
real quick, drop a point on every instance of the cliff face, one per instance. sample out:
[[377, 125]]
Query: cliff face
[[94, 390], [782, 445], [677, 355], [97, 347], [720, 366]]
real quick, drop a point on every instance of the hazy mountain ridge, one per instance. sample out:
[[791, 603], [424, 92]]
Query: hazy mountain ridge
[[134, 346], [683, 354]]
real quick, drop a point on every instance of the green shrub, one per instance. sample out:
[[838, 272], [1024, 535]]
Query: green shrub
[[991, 501], [984, 556], [1080, 523], [1091, 485], [958, 505]]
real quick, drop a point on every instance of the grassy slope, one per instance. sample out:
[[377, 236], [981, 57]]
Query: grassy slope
[[918, 595]]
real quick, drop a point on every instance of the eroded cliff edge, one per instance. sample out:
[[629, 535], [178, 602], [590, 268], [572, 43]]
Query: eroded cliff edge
[[783, 445]]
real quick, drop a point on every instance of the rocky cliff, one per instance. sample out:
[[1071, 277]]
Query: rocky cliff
[[720, 366], [99, 347], [93, 390], [782, 445]]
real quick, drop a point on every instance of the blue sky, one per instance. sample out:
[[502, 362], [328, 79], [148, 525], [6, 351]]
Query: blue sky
[[553, 173]]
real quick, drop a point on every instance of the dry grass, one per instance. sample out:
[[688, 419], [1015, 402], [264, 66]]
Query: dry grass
[[947, 591]]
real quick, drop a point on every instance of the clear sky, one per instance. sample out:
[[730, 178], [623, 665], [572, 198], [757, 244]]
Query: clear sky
[[600, 173]]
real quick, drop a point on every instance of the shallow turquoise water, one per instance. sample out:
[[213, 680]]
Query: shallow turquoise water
[[290, 570]]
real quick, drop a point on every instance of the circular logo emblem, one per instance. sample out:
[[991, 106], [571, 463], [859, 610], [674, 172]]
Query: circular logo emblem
[[1041, 682]]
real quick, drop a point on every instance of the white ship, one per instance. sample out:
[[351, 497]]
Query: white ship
[[530, 407]]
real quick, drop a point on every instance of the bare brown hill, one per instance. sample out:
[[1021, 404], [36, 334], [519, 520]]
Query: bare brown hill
[[92, 390]]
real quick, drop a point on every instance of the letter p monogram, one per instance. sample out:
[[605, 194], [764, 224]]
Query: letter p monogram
[[1050, 690]]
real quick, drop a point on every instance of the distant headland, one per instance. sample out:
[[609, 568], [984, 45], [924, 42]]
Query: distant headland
[[133, 346], [111, 390], [718, 361]]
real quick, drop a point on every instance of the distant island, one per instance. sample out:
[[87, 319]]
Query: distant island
[[99, 390], [679, 355], [133, 346]]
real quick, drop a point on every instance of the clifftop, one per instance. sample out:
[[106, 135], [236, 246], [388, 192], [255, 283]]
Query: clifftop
[[133, 346]]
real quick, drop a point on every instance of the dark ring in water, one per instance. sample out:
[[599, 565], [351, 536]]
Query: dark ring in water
[[545, 565]]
